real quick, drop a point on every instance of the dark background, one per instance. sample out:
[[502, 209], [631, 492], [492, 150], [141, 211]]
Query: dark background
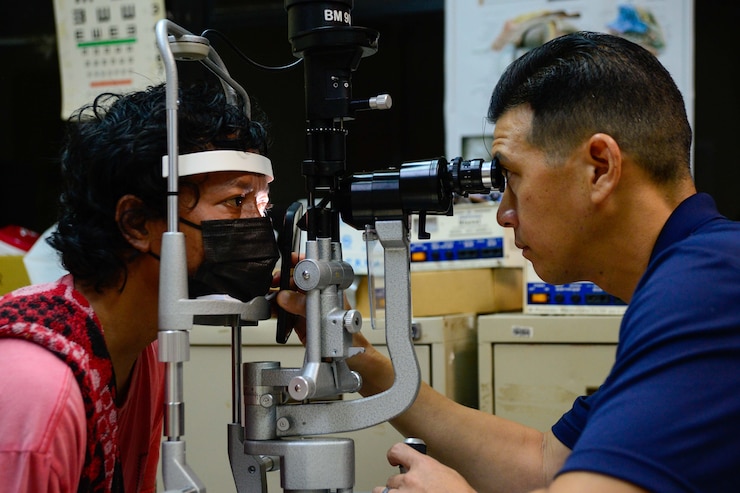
[[409, 65]]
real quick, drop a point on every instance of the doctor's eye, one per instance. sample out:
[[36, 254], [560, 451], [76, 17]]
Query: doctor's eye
[[499, 176]]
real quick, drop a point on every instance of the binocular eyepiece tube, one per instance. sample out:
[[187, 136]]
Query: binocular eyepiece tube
[[419, 187]]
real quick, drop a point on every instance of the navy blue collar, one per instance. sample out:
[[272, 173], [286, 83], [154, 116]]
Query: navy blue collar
[[685, 219]]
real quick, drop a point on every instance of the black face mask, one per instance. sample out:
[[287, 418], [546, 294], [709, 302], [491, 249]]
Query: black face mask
[[240, 255]]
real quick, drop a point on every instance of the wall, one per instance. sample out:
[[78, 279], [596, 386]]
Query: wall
[[409, 65], [716, 122]]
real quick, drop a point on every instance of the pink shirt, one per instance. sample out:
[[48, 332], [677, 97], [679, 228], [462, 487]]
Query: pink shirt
[[42, 421]]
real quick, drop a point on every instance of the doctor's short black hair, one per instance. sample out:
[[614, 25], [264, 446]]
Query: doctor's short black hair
[[584, 83]]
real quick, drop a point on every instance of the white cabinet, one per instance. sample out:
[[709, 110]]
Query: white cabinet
[[532, 367], [445, 348]]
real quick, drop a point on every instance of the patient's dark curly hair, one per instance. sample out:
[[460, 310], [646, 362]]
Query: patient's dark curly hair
[[114, 147]]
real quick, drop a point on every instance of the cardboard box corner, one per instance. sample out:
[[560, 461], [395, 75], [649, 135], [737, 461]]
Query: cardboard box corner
[[444, 292], [13, 274]]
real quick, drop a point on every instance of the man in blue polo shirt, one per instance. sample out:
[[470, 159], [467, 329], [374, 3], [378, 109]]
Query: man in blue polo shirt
[[593, 138]]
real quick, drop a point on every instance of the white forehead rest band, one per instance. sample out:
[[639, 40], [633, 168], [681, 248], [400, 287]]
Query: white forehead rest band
[[220, 160]]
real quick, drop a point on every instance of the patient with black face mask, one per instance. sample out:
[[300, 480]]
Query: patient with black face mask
[[239, 257], [82, 388]]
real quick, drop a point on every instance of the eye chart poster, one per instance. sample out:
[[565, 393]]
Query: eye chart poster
[[484, 36], [106, 46]]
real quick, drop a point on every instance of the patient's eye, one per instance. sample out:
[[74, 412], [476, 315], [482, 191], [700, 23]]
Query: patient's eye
[[236, 201]]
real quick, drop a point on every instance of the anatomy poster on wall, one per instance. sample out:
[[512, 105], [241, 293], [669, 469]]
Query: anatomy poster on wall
[[484, 36]]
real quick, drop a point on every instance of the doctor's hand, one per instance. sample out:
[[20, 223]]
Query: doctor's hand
[[295, 302], [375, 368], [424, 474], [292, 300]]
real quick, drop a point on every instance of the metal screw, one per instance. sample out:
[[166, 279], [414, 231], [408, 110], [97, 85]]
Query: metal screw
[[283, 424], [306, 275], [267, 400]]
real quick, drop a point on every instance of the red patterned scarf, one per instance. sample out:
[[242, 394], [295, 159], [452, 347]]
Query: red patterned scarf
[[60, 319]]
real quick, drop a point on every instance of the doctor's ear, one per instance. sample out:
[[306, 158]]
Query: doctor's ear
[[134, 222], [606, 161]]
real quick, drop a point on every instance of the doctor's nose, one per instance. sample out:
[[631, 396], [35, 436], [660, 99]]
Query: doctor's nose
[[506, 215]]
